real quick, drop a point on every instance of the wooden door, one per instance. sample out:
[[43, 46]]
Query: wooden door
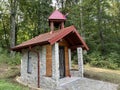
[[62, 61]]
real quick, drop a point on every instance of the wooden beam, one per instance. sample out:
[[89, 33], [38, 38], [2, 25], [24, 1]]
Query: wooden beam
[[69, 40], [73, 47]]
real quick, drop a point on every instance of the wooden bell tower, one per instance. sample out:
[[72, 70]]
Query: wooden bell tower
[[56, 20]]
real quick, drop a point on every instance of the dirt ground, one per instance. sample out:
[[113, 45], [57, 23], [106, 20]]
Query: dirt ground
[[3, 70], [7, 71]]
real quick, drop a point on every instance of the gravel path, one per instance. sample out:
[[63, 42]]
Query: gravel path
[[87, 84]]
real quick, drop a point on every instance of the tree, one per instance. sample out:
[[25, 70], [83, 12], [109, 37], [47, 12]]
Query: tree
[[13, 5], [97, 20], [34, 15], [4, 25], [100, 25]]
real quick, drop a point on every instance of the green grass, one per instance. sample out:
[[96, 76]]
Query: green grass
[[7, 84]]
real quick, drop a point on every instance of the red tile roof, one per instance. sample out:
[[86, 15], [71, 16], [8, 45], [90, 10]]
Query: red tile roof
[[69, 33], [57, 15]]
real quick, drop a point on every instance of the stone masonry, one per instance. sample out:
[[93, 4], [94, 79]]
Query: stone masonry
[[55, 63], [70, 62], [43, 61], [80, 61], [29, 78]]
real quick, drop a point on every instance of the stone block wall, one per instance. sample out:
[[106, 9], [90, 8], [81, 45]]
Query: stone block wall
[[48, 82], [74, 73], [29, 78]]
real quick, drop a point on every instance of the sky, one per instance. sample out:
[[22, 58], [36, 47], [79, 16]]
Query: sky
[[54, 4], [54, 1]]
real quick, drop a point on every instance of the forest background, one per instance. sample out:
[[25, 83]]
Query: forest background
[[97, 21]]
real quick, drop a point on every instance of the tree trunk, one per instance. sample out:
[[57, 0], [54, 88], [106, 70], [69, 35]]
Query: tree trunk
[[81, 18], [100, 26], [12, 23]]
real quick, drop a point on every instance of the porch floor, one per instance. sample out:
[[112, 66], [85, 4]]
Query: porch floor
[[68, 80]]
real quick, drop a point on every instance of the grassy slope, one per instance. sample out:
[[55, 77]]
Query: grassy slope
[[7, 78], [112, 76], [7, 84], [7, 81]]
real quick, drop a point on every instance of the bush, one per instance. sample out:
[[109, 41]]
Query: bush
[[104, 64], [115, 57], [15, 60], [6, 58], [110, 61]]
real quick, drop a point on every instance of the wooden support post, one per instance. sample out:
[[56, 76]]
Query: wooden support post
[[52, 26], [62, 25]]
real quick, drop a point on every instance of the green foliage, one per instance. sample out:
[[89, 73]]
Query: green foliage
[[115, 58], [6, 58], [74, 57], [97, 21], [15, 60], [34, 15], [100, 22], [110, 61]]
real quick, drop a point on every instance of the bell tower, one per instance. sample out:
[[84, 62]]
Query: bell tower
[[56, 20]]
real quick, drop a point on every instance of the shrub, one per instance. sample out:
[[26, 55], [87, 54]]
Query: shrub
[[6, 58], [110, 61], [15, 60], [115, 57]]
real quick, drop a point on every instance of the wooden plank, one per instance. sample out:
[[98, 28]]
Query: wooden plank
[[63, 43], [49, 60], [67, 62]]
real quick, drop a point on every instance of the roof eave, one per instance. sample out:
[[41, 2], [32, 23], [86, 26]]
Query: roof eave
[[29, 45], [84, 44]]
